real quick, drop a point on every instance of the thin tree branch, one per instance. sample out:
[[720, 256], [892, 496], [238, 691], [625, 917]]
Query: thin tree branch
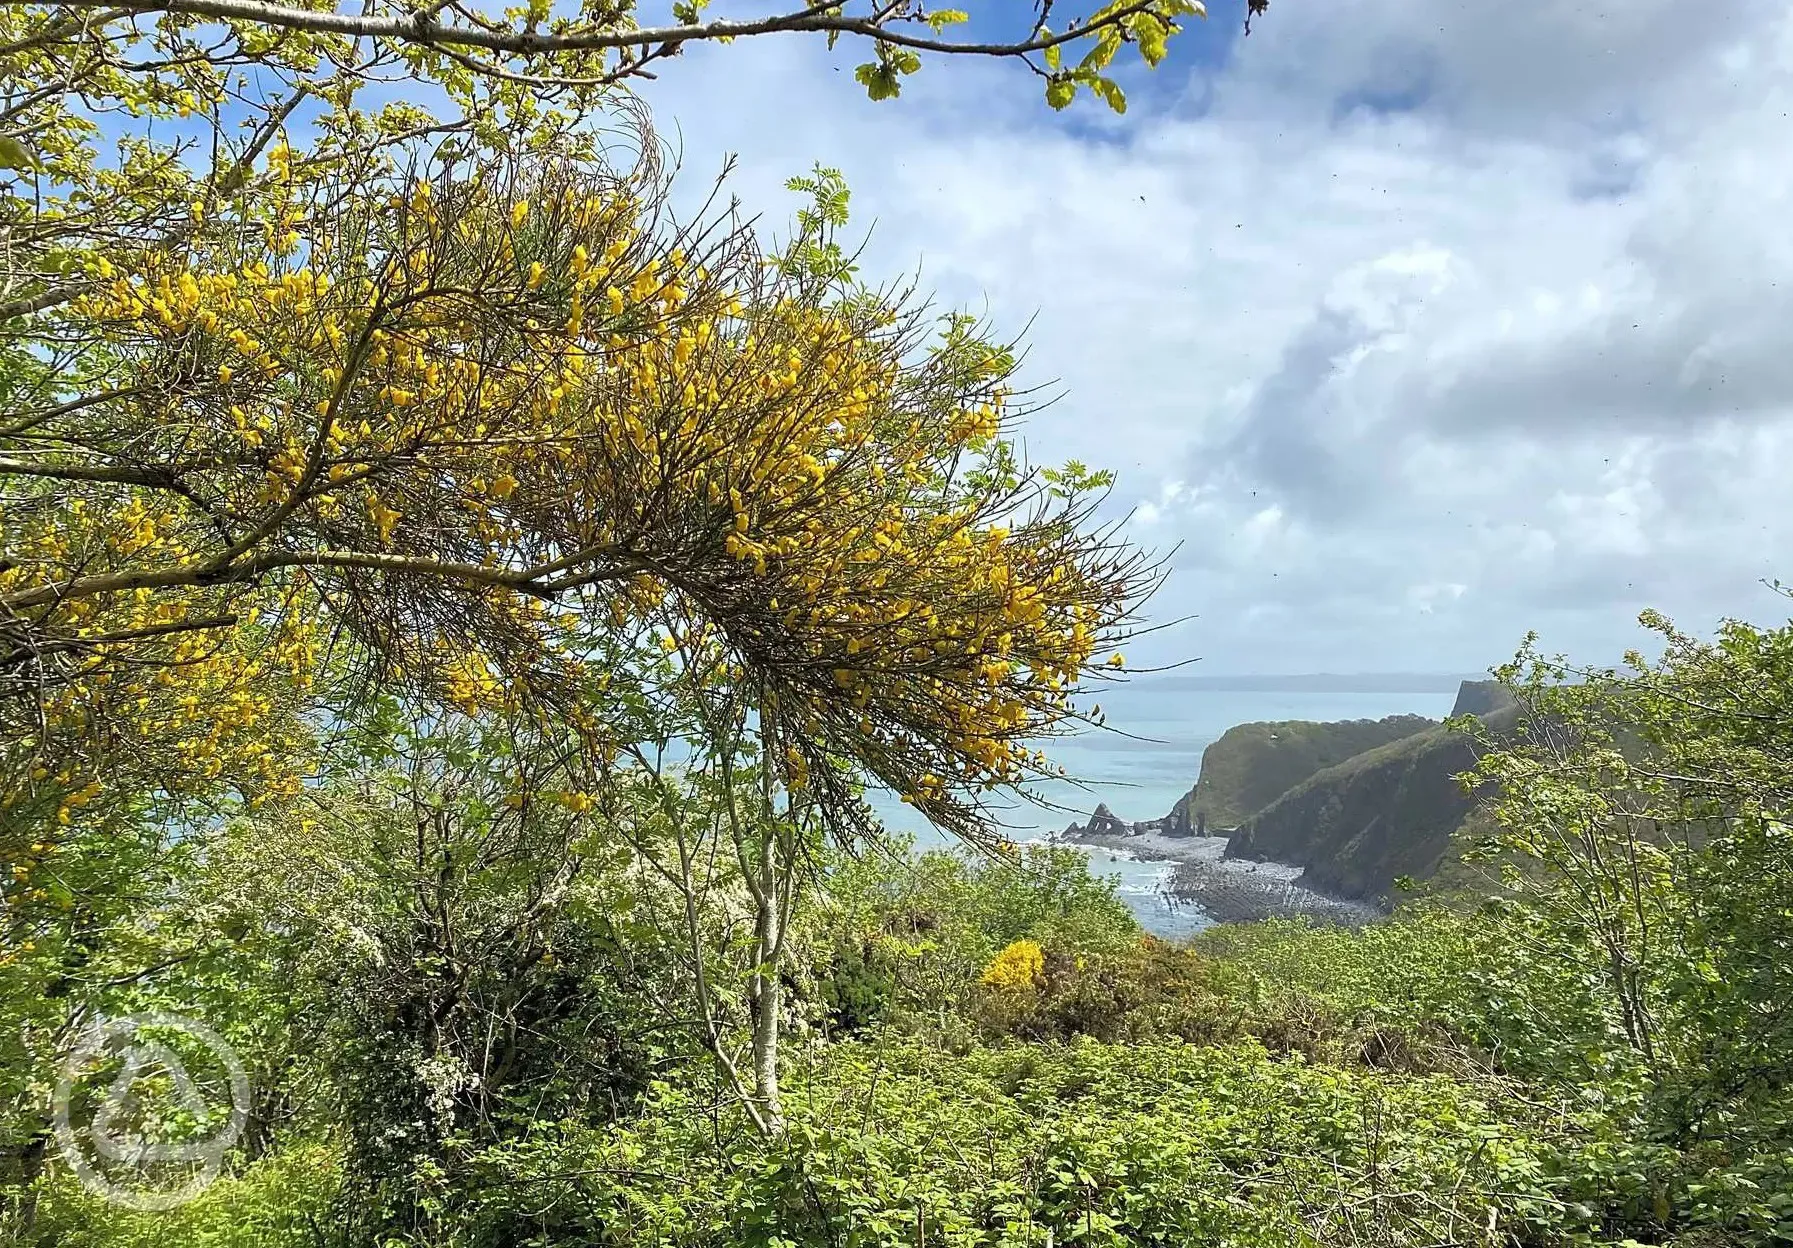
[[524, 581], [109, 639], [422, 28]]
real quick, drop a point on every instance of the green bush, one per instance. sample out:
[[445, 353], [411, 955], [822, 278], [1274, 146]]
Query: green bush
[[1161, 1144], [904, 938], [282, 1201]]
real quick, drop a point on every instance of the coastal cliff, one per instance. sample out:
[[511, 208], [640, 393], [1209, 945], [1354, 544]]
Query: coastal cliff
[[1481, 697], [1354, 804], [1391, 811], [1252, 765]]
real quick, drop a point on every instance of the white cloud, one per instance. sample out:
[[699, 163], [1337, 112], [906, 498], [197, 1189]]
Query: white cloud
[[1148, 512], [1402, 383]]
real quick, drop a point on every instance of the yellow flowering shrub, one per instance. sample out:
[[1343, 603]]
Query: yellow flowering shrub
[[416, 390], [472, 429], [1020, 965]]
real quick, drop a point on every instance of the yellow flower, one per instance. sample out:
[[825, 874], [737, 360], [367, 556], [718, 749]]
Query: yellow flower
[[1019, 966]]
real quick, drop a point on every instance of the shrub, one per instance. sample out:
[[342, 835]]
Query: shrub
[[279, 1202], [1021, 966], [1160, 1144]]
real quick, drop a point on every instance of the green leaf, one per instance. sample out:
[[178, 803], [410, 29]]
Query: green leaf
[[942, 18], [1053, 56], [880, 81], [1111, 92], [1059, 92], [1107, 44], [1151, 35], [15, 155]]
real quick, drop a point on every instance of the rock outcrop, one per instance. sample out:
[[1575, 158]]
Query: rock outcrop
[[1481, 697], [1104, 822], [1180, 822]]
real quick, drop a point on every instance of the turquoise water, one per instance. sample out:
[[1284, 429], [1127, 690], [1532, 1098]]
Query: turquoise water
[[1150, 757]]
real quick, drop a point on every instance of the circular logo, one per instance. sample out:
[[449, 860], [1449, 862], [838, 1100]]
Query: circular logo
[[146, 1108]]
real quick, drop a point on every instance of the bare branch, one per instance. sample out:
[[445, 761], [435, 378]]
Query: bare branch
[[119, 638]]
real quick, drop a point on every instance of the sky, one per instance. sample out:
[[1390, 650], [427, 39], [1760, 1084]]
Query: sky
[[1409, 326]]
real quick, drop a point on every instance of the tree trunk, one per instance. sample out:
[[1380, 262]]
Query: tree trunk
[[26, 1165], [769, 915]]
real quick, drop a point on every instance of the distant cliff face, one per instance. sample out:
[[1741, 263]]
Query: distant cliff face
[[1481, 697], [1355, 803], [1252, 765], [1389, 812]]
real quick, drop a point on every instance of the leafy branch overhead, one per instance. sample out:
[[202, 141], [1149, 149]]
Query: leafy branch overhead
[[603, 43]]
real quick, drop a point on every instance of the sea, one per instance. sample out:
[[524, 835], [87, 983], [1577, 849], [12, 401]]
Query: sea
[[1148, 755]]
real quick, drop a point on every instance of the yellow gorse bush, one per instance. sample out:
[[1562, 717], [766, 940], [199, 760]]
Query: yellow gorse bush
[[438, 400], [1020, 965], [468, 428]]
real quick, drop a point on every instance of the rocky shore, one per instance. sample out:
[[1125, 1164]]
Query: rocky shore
[[1228, 890]]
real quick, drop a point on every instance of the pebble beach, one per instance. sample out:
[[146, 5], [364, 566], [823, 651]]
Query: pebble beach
[[1230, 890]]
